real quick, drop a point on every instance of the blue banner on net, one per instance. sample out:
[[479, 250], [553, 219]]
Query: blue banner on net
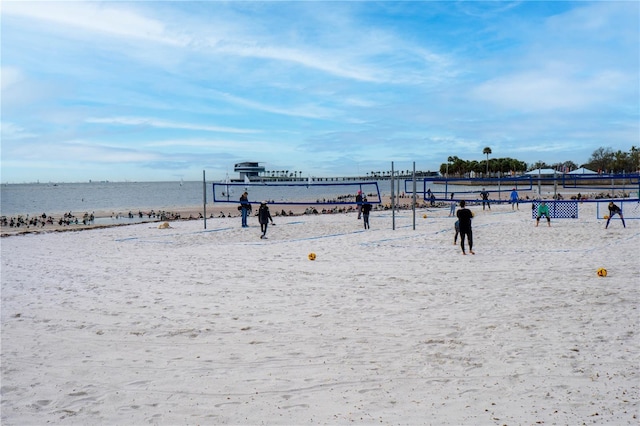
[[557, 209]]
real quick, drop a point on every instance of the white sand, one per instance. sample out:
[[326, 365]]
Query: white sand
[[140, 325]]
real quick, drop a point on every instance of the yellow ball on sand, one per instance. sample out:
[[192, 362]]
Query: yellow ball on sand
[[601, 272], [424, 216], [312, 256], [606, 216]]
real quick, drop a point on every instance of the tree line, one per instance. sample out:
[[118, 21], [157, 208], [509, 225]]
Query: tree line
[[603, 160]]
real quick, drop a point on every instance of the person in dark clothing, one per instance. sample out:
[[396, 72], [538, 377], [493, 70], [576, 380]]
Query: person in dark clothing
[[456, 226], [485, 198], [613, 210], [464, 217], [264, 217], [359, 204], [245, 208], [366, 209]]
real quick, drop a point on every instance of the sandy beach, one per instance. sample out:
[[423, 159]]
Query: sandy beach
[[139, 214], [191, 326], [106, 218]]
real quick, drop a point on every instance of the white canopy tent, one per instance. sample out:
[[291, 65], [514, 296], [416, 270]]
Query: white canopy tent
[[543, 172], [582, 171]]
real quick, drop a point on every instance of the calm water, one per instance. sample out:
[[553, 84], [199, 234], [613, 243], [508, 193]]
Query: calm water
[[121, 197], [38, 198], [81, 197]]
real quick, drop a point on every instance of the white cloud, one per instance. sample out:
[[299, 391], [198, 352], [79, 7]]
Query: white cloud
[[10, 131], [9, 76], [94, 17], [308, 110], [551, 89], [163, 124]]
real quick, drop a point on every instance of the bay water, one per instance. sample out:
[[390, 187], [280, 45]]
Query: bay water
[[122, 197]]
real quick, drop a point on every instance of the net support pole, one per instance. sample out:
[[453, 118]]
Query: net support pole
[[204, 198], [539, 188], [393, 205], [413, 198]]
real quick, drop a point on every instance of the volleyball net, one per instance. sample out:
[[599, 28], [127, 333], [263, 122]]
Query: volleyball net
[[469, 189], [440, 189], [630, 208], [297, 193]]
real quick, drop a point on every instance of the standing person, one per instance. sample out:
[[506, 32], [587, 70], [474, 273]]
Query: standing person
[[543, 210], [464, 222], [245, 208], [456, 226], [515, 199], [452, 207], [366, 209], [613, 210], [359, 204], [264, 217], [485, 198]]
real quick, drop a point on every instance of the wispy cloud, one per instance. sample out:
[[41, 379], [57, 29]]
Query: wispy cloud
[[10, 131], [308, 111], [107, 18], [150, 122]]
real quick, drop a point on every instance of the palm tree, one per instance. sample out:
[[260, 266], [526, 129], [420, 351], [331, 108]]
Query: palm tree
[[449, 160], [487, 151]]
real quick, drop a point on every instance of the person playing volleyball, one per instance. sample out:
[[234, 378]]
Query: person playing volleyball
[[543, 210], [613, 210], [464, 222]]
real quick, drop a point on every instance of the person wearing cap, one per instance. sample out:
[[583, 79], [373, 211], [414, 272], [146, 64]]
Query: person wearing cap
[[359, 204], [264, 217], [245, 208], [514, 199]]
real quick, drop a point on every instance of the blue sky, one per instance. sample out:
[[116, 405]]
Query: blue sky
[[157, 90]]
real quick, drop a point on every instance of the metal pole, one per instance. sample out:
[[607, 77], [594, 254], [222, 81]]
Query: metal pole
[[393, 205], [413, 202], [204, 198], [612, 187], [539, 190], [446, 182]]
